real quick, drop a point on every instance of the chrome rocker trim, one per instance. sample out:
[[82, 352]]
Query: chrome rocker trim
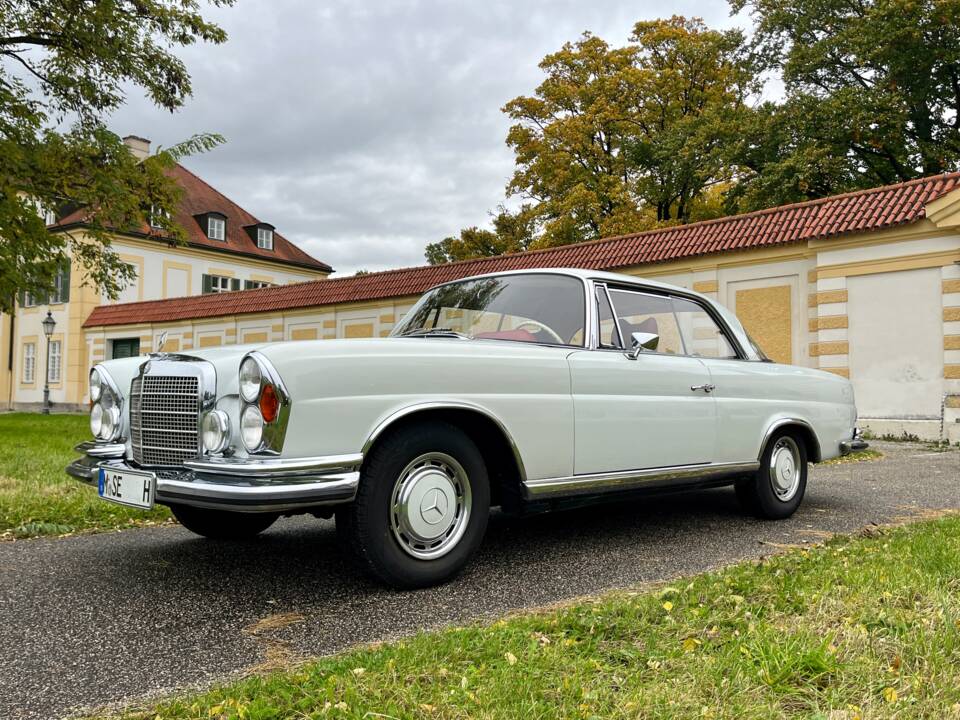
[[632, 479], [244, 485]]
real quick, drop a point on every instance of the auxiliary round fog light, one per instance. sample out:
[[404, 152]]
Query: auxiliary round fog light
[[96, 385], [251, 427], [216, 431], [96, 419], [250, 379]]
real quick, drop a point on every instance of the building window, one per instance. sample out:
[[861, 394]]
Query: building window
[[29, 362], [219, 284], [156, 215], [61, 284], [216, 228], [256, 284], [53, 367], [265, 238], [60, 294], [124, 348]]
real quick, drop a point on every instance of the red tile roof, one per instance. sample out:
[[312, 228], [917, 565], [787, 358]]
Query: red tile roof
[[872, 209], [199, 198]]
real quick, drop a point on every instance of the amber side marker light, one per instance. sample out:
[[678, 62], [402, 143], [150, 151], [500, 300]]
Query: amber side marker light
[[269, 403]]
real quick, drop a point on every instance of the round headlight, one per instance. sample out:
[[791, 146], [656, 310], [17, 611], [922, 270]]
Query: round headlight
[[107, 398], [216, 431], [96, 419], [96, 385], [251, 427], [109, 424], [250, 379]]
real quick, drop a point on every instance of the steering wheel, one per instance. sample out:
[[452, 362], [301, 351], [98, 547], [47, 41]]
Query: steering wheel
[[540, 326]]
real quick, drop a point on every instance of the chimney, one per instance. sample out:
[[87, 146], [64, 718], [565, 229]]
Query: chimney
[[140, 147]]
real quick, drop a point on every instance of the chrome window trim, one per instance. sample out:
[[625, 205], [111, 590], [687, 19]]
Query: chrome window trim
[[588, 310], [647, 290]]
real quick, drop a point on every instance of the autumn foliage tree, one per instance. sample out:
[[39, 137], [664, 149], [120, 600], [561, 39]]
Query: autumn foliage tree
[[670, 128], [64, 66], [615, 140]]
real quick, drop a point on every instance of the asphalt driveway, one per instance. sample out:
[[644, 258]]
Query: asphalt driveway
[[102, 618]]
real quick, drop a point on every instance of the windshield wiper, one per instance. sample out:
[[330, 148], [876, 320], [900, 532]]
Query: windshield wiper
[[435, 332]]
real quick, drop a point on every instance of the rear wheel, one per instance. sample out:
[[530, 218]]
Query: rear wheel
[[222, 524], [422, 506], [776, 490]]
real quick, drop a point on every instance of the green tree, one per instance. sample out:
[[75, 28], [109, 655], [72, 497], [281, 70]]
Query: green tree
[[872, 96], [64, 67], [512, 232], [689, 87]]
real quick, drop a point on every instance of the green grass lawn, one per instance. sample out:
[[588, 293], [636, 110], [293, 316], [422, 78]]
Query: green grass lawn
[[858, 628], [36, 495]]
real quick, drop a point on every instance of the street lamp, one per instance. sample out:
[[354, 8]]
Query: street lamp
[[48, 325]]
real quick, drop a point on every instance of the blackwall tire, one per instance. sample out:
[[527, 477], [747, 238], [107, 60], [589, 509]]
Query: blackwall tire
[[776, 490], [222, 524], [422, 506]]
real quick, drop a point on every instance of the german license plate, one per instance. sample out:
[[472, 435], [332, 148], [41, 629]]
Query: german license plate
[[127, 487]]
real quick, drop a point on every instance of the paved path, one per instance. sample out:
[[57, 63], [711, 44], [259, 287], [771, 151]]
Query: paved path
[[99, 618]]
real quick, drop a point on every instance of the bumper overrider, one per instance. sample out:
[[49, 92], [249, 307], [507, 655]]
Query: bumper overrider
[[239, 484], [854, 444]]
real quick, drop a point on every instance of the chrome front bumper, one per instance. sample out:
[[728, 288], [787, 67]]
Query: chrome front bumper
[[854, 444], [241, 484]]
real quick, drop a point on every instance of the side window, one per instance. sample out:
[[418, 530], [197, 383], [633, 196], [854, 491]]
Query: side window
[[640, 312], [701, 334], [606, 327]]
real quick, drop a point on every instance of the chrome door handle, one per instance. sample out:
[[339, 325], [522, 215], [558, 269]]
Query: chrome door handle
[[707, 388]]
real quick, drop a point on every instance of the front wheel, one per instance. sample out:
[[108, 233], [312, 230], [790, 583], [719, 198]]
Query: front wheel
[[222, 524], [422, 506], [775, 491]]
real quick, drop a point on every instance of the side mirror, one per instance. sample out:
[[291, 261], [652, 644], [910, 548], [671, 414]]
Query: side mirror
[[642, 341]]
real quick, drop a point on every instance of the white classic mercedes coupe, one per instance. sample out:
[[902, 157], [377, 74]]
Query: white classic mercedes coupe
[[525, 390]]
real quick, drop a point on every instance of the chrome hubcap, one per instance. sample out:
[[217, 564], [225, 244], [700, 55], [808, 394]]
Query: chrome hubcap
[[430, 506], [785, 469]]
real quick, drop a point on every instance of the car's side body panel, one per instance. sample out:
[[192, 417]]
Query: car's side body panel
[[642, 413], [753, 397], [345, 390]]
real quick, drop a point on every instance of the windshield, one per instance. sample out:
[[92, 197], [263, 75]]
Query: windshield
[[546, 309]]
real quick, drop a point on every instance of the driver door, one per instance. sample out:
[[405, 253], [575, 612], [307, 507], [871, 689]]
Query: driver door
[[642, 413]]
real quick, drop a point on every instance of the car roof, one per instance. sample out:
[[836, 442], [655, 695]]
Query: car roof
[[599, 275]]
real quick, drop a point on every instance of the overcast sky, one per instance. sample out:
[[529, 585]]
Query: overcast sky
[[365, 130]]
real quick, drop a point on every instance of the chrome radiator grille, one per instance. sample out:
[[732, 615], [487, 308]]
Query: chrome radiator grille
[[164, 416]]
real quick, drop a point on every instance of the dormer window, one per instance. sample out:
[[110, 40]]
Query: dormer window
[[261, 234], [265, 238], [216, 227]]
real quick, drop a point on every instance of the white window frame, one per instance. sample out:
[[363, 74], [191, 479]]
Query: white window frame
[[219, 283], [154, 214], [221, 228], [29, 363], [264, 238], [56, 357]]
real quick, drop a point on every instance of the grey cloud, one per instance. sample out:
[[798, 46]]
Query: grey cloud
[[365, 131]]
